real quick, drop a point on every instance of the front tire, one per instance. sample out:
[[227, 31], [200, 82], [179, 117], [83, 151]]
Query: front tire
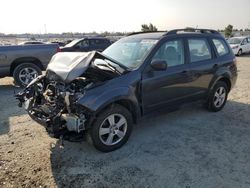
[[24, 73], [111, 129], [218, 97], [239, 52]]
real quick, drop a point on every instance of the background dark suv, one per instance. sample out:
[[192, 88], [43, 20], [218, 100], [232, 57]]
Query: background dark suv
[[87, 44], [104, 93]]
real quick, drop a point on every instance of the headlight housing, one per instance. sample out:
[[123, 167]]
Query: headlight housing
[[235, 47], [51, 76]]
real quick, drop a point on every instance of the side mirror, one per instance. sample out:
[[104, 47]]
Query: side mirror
[[77, 47], [159, 65]]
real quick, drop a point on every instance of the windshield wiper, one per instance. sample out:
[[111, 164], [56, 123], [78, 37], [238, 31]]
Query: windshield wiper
[[102, 56], [110, 66]]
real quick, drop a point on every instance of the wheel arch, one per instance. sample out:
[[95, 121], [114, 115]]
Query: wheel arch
[[240, 49], [21, 60], [227, 81], [224, 78], [124, 102], [130, 106]]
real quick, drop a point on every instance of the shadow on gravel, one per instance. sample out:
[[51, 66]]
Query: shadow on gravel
[[244, 56], [187, 148], [8, 106]]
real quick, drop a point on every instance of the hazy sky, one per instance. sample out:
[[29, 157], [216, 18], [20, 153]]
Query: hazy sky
[[21, 16]]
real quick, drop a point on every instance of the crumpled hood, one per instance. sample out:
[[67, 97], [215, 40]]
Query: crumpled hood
[[69, 65]]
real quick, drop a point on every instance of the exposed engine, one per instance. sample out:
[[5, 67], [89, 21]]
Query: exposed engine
[[51, 99], [53, 104]]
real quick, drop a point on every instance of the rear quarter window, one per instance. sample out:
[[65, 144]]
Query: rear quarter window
[[221, 47]]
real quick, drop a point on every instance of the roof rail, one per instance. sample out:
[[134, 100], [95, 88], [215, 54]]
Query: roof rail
[[175, 31], [142, 32]]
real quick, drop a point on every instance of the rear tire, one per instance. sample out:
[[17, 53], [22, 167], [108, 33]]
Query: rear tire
[[218, 97], [111, 129], [24, 73]]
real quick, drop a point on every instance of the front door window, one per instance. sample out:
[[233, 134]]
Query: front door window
[[172, 52]]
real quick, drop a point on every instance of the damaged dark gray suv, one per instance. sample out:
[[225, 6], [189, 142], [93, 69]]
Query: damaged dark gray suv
[[103, 94]]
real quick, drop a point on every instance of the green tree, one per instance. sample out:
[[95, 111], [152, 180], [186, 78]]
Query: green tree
[[229, 30], [147, 28]]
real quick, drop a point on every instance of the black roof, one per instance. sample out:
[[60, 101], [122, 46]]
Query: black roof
[[159, 34], [149, 35], [201, 31]]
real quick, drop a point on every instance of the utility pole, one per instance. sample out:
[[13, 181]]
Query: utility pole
[[45, 29]]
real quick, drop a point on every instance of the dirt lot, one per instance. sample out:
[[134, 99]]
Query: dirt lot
[[187, 148]]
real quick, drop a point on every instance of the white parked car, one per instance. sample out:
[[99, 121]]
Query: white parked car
[[240, 45]]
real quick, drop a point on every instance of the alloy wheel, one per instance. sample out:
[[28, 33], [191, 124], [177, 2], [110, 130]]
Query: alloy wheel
[[26, 75], [113, 129], [219, 97]]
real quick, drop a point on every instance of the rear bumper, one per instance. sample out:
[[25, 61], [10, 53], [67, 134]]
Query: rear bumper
[[233, 81], [234, 75]]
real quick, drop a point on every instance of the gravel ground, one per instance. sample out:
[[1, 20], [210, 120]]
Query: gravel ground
[[187, 148]]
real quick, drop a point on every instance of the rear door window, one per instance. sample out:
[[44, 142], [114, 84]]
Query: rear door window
[[221, 47], [83, 44], [97, 42], [92, 42], [199, 50]]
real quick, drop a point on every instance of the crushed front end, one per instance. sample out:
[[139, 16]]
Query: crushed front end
[[54, 104], [52, 99]]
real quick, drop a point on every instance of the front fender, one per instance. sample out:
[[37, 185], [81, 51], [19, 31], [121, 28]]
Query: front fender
[[95, 102]]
